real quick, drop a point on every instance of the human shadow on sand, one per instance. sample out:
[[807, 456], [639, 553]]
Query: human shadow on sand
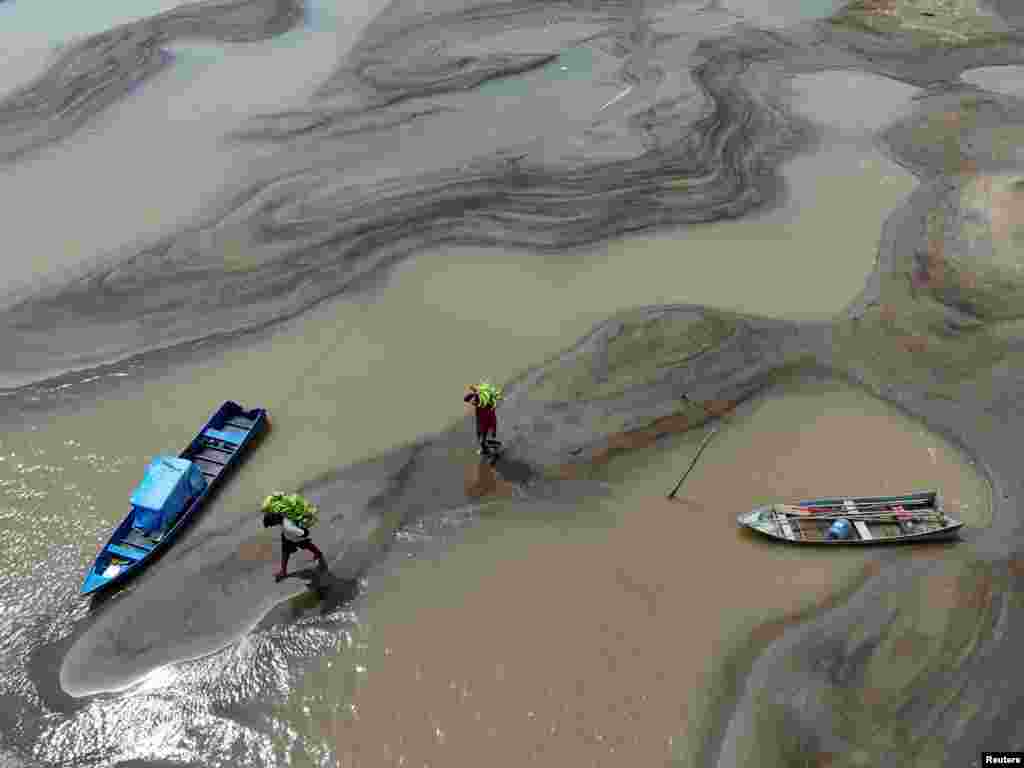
[[511, 470], [325, 594]]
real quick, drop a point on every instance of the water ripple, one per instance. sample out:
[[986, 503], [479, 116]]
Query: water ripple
[[218, 708]]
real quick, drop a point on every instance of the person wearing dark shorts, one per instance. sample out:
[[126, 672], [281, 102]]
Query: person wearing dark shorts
[[293, 538]]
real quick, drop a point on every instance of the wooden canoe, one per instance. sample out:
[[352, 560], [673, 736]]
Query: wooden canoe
[[874, 519], [216, 450]]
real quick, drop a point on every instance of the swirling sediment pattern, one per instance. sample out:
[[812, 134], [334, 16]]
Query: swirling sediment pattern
[[311, 232], [95, 73], [315, 223]]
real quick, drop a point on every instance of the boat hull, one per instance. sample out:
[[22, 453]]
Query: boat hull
[[218, 448], [905, 519]]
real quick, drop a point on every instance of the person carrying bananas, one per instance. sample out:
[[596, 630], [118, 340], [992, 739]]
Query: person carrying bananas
[[296, 516], [484, 397]]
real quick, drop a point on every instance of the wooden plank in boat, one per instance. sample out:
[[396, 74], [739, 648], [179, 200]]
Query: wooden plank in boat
[[141, 539], [207, 467], [132, 553], [211, 455], [209, 444], [231, 436]]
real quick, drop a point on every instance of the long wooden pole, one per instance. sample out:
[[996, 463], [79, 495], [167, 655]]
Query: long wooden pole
[[693, 463]]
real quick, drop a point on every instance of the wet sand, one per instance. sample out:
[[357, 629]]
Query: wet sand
[[1007, 79], [95, 72], [367, 500], [714, 170], [596, 635], [658, 157], [326, 377], [162, 148]]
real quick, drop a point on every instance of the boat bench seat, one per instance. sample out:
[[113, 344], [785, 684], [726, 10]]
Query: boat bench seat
[[233, 437], [863, 530], [130, 552], [142, 539]]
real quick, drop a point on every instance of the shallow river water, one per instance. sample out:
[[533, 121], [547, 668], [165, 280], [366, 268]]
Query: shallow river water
[[465, 651], [596, 633], [160, 153]]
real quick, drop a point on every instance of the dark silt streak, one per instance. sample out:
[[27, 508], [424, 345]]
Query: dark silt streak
[[97, 72], [389, 83], [417, 479], [375, 497], [964, 697], [983, 682], [326, 123], [924, 66], [310, 234], [1011, 12]]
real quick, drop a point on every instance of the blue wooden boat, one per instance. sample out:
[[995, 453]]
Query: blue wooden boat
[[173, 490]]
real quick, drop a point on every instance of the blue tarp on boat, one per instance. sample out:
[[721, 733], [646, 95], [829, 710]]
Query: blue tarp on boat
[[160, 497]]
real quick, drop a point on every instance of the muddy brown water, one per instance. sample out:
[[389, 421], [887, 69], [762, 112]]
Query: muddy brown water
[[623, 566], [595, 635]]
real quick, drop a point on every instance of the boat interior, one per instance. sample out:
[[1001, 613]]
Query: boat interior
[[870, 518], [925, 521]]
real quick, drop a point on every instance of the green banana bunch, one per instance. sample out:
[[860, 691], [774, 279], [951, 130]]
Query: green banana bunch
[[488, 393], [294, 507]]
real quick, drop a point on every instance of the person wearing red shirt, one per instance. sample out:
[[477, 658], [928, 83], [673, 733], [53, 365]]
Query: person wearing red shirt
[[484, 399]]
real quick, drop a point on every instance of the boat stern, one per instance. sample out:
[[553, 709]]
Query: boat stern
[[93, 583], [104, 571], [759, 518]]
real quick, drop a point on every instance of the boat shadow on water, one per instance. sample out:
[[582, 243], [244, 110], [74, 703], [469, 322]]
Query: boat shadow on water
[[915, 548]]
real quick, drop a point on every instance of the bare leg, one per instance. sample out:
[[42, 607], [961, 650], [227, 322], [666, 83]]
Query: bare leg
[[316, 553], [284, 566]]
